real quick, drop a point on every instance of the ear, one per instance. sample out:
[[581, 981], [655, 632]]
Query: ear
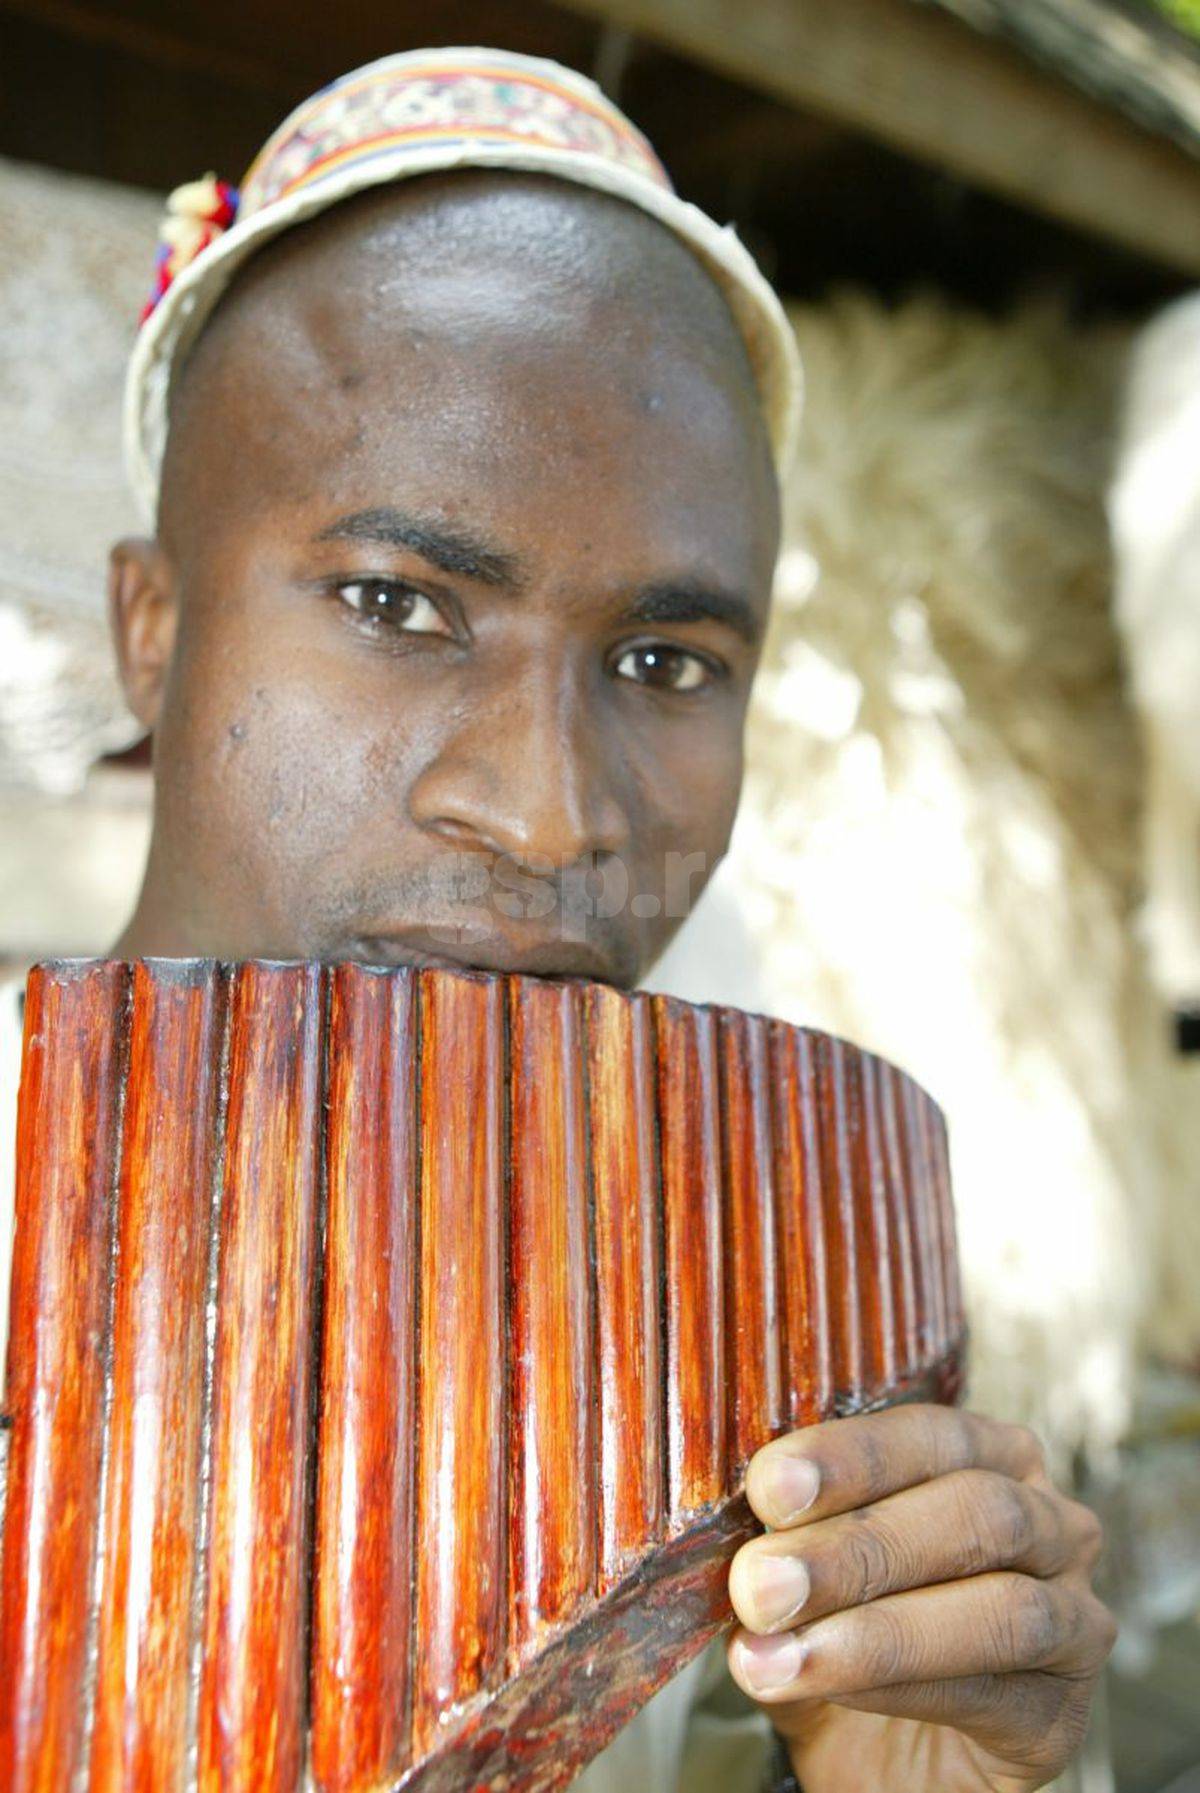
[[143, 613]]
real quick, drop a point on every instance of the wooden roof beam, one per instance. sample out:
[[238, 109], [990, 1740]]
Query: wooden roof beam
[[931, 87]]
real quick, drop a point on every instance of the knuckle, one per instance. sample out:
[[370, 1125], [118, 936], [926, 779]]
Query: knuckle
[[1027, 1447], [886, 1653], [955, 1434], [1034, 1621], [1108, 1631], [1003, 1517], [874, 1465], [1098, 1627], [874, 1560], [997, 1519], [1014, 1520], [1064, 1731], [1089, 1535]]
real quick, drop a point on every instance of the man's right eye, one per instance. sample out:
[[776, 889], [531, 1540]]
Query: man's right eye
[[393, 605]]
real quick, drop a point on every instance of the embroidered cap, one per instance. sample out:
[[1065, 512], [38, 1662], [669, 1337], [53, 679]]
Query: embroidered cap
[[417, 113]]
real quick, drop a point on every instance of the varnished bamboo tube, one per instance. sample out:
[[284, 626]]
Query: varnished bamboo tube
[[904, 1276], [871, 1233], [926, 1272], [631, 1468], [461, 1507], [752, 1280], [252, 1685], [924, 1178], [938, 1170], [67, 1133], [805, 1324], [152, 1495], [693, 1256], [364, 1539], [841, 1221], [552, 1520]]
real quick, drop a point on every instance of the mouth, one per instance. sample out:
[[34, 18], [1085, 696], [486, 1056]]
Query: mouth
[[384, 949], [436, 948]]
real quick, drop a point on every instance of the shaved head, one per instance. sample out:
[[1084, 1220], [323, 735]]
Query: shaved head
[[590, 268]]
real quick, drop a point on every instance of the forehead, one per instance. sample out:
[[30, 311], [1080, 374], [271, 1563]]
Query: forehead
[[515, 347]]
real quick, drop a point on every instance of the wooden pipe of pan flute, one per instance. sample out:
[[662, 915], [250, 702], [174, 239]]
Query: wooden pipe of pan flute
[[388, 1347]]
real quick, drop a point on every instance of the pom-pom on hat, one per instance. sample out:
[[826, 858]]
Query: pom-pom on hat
[[421, 112]]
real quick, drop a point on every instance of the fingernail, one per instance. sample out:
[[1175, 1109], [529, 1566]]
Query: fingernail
[[780, 1586], [792, 1484], [769, 1663]]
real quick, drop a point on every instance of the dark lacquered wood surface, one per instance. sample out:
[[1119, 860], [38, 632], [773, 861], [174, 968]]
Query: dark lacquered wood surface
[[693, 1260], [253, 1677], [754, 1369], [67, 1139], [804, 1295], [627, 1247], [154, 1458], [387, 1349], [461, 1506], [364, 1557], [552, 1501]]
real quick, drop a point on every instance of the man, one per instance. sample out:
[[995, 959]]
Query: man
[[466, 515]]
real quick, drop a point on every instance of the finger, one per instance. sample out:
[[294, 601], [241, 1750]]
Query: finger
[[849, 1463], [1030, 1720], [963, 1524], [996, 1624]]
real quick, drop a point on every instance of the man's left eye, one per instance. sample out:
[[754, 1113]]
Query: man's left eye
[[664, 668], [398, 606]]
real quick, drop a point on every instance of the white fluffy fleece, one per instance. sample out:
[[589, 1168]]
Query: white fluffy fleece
[[937, 853], [1155, 508]]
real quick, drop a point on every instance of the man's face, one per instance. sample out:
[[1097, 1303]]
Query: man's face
[[465, 558]]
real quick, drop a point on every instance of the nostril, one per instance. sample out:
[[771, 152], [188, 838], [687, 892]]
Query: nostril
[[458, 832]]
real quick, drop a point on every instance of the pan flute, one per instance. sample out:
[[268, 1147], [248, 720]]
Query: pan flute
[[387, 1349]]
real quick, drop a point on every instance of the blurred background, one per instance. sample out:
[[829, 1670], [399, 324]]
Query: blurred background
[[971, 834]]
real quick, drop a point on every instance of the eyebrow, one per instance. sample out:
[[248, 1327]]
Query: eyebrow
[[463, 554], [456, 551], [696, 601]]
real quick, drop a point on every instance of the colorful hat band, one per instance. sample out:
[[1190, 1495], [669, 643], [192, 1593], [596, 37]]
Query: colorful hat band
[[416, 113], [442, 97]]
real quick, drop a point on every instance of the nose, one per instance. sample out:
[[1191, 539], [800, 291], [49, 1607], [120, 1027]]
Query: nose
[[527, 771]]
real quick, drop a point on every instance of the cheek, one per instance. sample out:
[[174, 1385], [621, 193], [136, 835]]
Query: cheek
[[692, 836], [272, 765], [693, 783], [687, 804]]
